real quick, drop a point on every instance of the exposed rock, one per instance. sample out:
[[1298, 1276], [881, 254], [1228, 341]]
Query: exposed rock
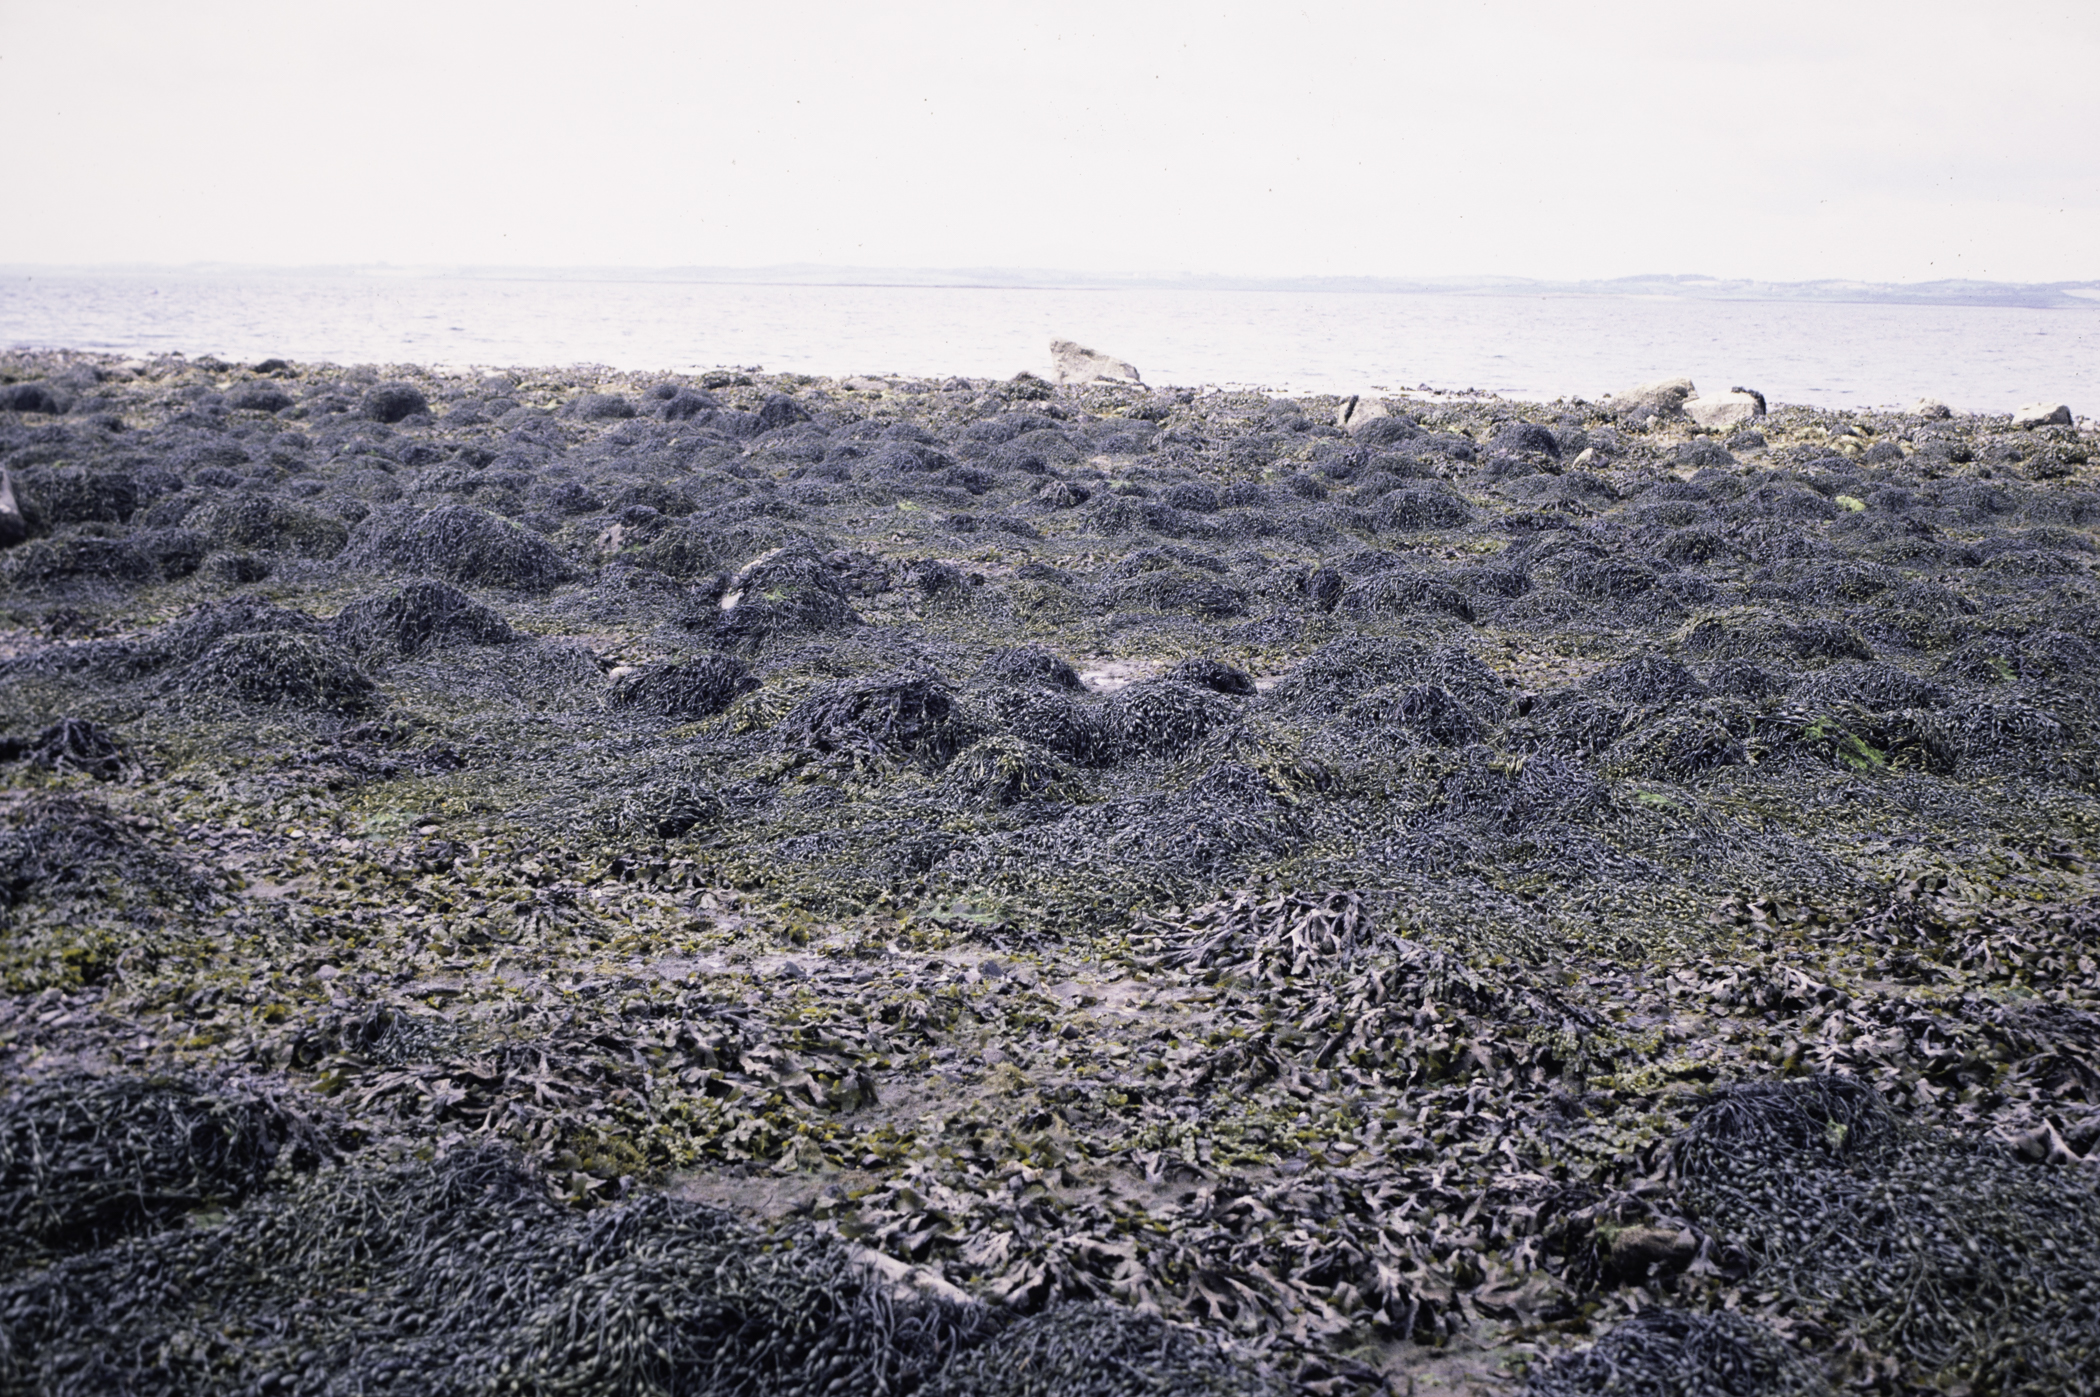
[[1723, 410], [13, 527], [2042, 415], [1664, 397], [1637, 1249], [1356, 411], [1078, 364], [1931, 408]]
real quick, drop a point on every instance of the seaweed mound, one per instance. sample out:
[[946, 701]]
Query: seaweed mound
[[1335, 675], [55, 846], [72, 744], [393, 402], [697, 688], [1428, 711], [1674, 1353], [1030, 664], [462, 1276], [420, 616], [1102, 1351], [1000, 771], [1214, 674], [259, 521], [85, 1160], [459, 544], [1165, 717], [1055, 720], [788, 590], [275, 669], [906, 714], [1935, 1243]]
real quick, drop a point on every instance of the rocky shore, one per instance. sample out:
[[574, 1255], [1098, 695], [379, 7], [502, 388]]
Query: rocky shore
[[574, 881]]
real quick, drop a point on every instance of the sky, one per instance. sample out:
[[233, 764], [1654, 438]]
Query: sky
[[1784, 141]]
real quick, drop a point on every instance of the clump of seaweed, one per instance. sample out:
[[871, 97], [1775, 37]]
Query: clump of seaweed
[[684, 689], [1000, 771], [1676, 1353], [276, 669], [461, 1275], [907, 714], [1936, 1244], [422, 615], [1164, 717], [786, 591], [88, 1159], [1100, 1349], [1026, 665], [458, 544], [73, 744]]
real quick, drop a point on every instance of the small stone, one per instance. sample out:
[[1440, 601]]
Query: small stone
[[2042, 415], [1931, 408]]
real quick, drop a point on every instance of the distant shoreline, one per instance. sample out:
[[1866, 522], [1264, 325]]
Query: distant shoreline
[[2056, 295]]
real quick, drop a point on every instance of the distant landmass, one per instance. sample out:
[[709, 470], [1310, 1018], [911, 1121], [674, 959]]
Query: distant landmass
[[2053, 295]]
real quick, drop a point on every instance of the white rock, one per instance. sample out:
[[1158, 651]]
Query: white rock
[[1930, 408], [1355, 411], [13, 527], [2042, 415], [1078, 364], [907, 1282], [861, 384], [1665, 396], [1723, 410]]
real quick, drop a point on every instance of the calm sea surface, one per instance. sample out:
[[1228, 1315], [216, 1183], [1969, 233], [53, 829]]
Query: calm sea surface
[[1977, 359]]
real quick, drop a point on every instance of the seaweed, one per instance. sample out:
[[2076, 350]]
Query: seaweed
[[73, 744], [410, 620], [696, 688], [458, 544], [1477, 909], [86, 1160], [1672, 1353]]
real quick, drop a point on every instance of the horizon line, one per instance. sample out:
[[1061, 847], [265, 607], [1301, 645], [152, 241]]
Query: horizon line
[[2060, 294]]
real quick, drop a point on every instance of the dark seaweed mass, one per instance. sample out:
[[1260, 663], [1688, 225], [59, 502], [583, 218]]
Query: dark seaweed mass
[[587, 882]]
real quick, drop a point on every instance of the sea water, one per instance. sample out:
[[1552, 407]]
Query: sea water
[[1978, 359]]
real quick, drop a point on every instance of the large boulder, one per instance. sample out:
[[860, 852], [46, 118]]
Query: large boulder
[[2042, 415], [1724, 410], [1078, 364], [1663, 398], [1355, 411]]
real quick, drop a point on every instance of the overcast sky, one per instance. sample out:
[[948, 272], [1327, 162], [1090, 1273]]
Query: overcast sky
[[1893, 142]]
